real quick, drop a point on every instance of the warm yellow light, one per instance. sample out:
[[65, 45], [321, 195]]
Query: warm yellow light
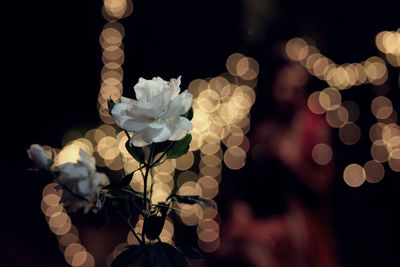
[[297, 49], [322, 154], [354, 175], [374, 171]]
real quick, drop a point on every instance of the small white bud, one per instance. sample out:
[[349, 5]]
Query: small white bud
[[39, 157]]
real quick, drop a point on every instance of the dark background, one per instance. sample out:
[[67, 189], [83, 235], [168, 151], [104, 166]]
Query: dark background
[[51, 63]]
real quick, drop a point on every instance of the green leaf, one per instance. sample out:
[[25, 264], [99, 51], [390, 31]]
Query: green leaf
[[190, 200], [191, 252], [175, 256], [179, 148], [136, 152], [126, 180], [157, 256], [128, 256], [154, 222], [124, 193], [116, 193], [189, 114]]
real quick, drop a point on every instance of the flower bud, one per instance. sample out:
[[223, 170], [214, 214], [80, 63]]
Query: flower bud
[[154, 222], [39, 157]]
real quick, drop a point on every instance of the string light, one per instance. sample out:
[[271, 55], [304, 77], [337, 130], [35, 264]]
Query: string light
[[343, 115]]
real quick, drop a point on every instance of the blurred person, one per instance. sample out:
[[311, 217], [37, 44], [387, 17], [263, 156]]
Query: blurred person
[[278, 212]]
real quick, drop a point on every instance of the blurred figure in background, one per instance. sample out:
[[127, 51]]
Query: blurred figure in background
[[278, 209]]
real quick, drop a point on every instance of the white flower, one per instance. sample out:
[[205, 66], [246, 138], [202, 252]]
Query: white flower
[[39, 157], [81, 178], [156, 114]]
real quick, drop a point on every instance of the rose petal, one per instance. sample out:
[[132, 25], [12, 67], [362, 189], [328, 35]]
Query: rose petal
[[150, 135], [127, 119], [179, 105], [174, 85], [87, 160], [179, 128], [74, 171], [141, 90], [157, 124]]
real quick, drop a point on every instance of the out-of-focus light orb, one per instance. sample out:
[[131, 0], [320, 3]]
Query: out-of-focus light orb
[[322, 154], [313, 103], [381, 107], [211, 160], [330, 99], [79, 258], [247, 68], [196, 86], [389, 131], [108, 148], [354, 175], [71, 251], [213, 171], [210, 149], [235, 158], [376, 71], [209, 186], [58, 219], [167, 232], [190, 188], [190, 214], [208, 101], [297, 49], [379, 151], [338, 117], [51, 189], [394, 161], [167, 167], [232, 63], [374, 171], [67, 239], [161, 192], [375, 131], [350, 133], [117, 8], [110, 36], [185, 162]]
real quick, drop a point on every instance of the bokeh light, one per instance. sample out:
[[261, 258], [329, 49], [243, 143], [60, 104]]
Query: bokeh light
[[354, 175], [322, 154]]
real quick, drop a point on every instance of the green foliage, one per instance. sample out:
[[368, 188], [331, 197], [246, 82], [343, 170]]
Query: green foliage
[[174, 255], [154, 222], [128, 256], [179, 148], [190, 199], [189, 114], [126, 180], [136, 152]]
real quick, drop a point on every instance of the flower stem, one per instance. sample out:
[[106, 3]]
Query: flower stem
[[130, 227], [151, 185], [146, 175], [162, 155]]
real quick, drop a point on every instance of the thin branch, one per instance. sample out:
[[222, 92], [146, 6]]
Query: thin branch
[[130, 227]]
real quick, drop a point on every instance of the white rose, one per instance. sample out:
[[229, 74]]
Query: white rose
[[81, 177], [39, 157], [156, 114]]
